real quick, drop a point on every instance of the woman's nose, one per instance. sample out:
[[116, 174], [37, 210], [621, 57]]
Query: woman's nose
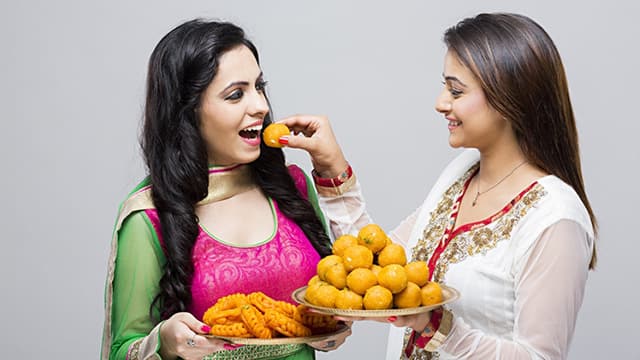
[[443, 102], [260, 104]]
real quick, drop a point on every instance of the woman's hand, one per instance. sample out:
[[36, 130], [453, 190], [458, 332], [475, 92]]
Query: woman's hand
[[319, 141], [417, 322], [333, 342], [181, 336]]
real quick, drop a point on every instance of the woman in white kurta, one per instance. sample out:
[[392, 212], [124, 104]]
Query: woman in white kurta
[[509, 224]]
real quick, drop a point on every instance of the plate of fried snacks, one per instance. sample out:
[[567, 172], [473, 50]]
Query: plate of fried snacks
[[257, 319], [368, 275]]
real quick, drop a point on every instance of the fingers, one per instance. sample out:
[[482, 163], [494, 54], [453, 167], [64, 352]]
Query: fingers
[[182, 335], [332, 342], [305, 124], [308, 144], [416, 322], [318, 140], [351, 319], [194, 324]]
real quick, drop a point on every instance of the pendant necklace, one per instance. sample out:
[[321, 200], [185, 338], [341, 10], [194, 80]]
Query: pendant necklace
[[478, 192]]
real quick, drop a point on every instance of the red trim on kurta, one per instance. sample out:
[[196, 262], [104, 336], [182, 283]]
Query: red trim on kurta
[[449, 234]]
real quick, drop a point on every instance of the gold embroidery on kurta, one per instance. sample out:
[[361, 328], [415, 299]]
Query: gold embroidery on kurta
[[480, 239]]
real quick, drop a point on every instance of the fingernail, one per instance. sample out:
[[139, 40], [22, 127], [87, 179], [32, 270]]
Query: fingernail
[[392, 318], [284, 140], [231, 346], [205, 328]]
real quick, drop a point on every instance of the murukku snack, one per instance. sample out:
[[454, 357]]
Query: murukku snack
[[325, 323], [212, 316], [258, 315], [229, 302], [255, 322], [264, 303], [236, 329], [285, 325]]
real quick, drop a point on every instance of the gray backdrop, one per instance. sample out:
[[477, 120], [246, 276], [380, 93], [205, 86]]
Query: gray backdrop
[[71, 93]]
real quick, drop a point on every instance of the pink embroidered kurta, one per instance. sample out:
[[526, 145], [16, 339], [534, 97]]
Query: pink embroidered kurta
[[221, 269], [276, 266]]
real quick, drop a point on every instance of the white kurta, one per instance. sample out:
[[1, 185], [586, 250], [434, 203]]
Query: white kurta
[[521, 277]]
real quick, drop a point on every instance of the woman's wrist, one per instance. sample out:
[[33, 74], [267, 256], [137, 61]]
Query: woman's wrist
[[424, 336], [433, 335], [336, 185], [330, 169], [333, 181], [443, 330]]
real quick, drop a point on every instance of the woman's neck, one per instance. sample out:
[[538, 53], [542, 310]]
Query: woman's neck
[[227, 181], [495, 163]]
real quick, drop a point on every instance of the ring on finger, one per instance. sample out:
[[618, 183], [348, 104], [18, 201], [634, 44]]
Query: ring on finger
[[191, 342], [330, 344]]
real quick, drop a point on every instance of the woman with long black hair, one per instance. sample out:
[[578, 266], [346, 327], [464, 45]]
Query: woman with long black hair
[[219, 213]]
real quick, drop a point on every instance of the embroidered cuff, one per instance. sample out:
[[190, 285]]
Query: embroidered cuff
[[427, 334], [433, 335], [147, 347], [334, 186], [134, 349], [443, 331]]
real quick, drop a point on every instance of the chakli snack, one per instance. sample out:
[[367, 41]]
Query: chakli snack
[[257, 315]]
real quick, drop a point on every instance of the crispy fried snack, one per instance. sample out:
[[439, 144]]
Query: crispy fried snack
[[258, 315], [264, 303], [255, 322], [321, 322], [235, 329], [284, 324], [213, 316], [230, 302]]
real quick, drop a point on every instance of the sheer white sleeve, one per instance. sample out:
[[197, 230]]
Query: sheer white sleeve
[[549, 292], [347, 213]]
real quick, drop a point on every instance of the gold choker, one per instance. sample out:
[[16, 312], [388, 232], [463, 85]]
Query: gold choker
[[227, 181]]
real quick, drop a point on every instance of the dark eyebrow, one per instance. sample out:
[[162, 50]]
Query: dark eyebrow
[[239, 83], [235, 83], [454, 79]]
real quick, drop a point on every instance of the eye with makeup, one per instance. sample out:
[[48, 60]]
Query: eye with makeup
[[238, 93], [452, 89], [235, 95]]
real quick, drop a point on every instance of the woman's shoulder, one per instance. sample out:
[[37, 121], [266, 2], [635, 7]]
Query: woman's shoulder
[[559, 201], [138, 199]]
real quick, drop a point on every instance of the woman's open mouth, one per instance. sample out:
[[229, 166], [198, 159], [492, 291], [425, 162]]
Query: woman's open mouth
[[251, 132]]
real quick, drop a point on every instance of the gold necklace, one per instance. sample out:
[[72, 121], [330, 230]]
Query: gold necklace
[[227, 181], [478, 192]]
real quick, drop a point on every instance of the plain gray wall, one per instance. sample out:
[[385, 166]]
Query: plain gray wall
[[71, 94]]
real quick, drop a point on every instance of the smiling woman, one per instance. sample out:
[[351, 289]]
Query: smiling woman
[[234, 107], [507, 223], [181, 239]]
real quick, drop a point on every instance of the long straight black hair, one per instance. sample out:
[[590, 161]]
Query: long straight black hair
[[181, 67], [522, 76]]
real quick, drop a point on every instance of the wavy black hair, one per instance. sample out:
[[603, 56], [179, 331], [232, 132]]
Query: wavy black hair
[[181, 67]]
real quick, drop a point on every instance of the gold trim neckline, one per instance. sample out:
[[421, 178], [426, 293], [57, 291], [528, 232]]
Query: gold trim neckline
[[225, 182]]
